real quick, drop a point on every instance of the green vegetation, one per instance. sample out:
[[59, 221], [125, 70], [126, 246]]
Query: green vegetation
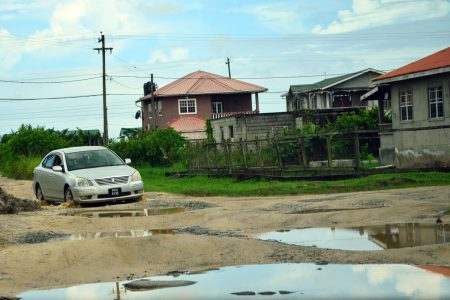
[[21, 151], [163, 147], [156, 181]]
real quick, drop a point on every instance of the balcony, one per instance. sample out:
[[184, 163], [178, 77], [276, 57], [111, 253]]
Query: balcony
[[233, 113]]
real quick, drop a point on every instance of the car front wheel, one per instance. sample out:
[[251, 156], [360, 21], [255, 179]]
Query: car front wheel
[[68, 196], [39, 194]]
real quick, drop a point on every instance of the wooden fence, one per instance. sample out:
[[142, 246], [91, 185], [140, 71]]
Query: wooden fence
[[332, 151]]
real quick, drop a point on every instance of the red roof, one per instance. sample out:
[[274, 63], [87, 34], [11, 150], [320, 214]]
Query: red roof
[[440, 59], [202, 82], [187, 123]]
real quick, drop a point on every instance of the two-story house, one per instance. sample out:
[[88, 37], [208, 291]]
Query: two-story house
[[186, 103]]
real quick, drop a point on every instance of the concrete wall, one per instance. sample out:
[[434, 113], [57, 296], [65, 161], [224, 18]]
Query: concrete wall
[[421, 142], [249, 127]]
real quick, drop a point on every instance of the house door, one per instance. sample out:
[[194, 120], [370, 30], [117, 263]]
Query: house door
[[217, 107]]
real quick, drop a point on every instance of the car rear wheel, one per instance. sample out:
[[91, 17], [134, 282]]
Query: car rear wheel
[[39, 194], [68, 196]]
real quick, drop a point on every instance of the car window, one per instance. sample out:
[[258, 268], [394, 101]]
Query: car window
[[48, 161], [92, 159], [57, 161]]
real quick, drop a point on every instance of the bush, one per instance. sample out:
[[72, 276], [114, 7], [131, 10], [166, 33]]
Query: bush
[[21, 151], [162, 147]]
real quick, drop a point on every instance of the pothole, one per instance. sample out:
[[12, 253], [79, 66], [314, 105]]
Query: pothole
[[121, 213], [275, 281], [378, 237]]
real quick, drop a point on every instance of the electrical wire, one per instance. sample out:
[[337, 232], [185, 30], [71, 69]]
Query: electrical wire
[[64, 97], [49, 82]]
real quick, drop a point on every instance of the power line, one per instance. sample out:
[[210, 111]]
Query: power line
[[49, 82], [65, 97]]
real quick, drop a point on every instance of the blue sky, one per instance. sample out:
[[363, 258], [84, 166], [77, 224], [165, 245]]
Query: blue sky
[[273, 43]]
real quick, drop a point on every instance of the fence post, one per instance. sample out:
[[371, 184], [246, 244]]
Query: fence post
[[244, 157], [303, 150], [216, 163], [278, 153], [197, 155], [329, 151], [228, 156], [189, 146], [207, 157], [357, 154], [258, 152]]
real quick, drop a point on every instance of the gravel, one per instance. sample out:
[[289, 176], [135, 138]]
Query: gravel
[[196, 230], [35, 237]]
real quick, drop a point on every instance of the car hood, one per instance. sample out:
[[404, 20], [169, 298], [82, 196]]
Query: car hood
[[103, 172]]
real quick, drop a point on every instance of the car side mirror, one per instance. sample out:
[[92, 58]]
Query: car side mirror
[[57, 168], [127, 161]]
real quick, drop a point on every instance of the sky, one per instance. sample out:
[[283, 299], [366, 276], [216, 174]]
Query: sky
[[47, 49]]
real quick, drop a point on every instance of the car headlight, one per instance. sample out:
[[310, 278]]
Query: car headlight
[[136, 176], [83, 182]]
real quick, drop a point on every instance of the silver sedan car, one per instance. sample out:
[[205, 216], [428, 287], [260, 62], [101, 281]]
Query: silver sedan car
[[86, 175]]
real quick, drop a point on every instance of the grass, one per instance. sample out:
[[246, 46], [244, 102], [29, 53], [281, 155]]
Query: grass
[[156, 181]]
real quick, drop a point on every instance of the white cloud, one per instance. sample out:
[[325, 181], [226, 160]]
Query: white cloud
[[9, 58], [175, 54], [277, 16], [373, 13]]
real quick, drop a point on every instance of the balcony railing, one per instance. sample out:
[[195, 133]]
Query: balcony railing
[[233, 113]]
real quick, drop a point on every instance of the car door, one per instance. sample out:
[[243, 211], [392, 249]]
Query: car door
[[59, 178], [46, 175]]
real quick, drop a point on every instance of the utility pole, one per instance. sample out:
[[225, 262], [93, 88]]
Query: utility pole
[[228, 63], [105, 110], [152, 104]]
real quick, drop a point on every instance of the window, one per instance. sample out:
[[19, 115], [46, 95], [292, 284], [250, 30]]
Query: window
[[406, 106], [187, 106], [48, 161], [230, 129], [217, 107], [435, 102]]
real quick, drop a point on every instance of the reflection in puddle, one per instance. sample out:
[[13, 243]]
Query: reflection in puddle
[[111, 213], [278, 281], [118, 234], [365, 238]]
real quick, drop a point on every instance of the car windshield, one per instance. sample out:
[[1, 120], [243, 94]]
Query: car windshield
[[92, 159]]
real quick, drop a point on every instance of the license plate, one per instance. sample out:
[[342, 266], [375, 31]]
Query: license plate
[[114, 192]]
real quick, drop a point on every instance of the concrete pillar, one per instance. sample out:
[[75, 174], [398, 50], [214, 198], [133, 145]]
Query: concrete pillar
[[257, 102]]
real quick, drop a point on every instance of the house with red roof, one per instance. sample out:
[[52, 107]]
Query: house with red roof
[[420, 95], [186, 103]]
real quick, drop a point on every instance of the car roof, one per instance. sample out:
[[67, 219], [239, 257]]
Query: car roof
[[80, 149]]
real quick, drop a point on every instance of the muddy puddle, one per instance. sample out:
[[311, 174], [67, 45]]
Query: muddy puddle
[[365, 238], [274, 281], [116, 234], [121, 213]]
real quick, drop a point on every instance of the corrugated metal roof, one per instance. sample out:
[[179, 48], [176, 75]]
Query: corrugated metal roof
[[329, 82], [437, 60], [201, 82], [187, 124]]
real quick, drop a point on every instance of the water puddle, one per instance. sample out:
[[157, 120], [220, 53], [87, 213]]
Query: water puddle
[[322, 210], [273, 281], [117, 234], [365, 238], [121, 213]]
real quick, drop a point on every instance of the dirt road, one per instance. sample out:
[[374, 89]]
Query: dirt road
[[211, 232]]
